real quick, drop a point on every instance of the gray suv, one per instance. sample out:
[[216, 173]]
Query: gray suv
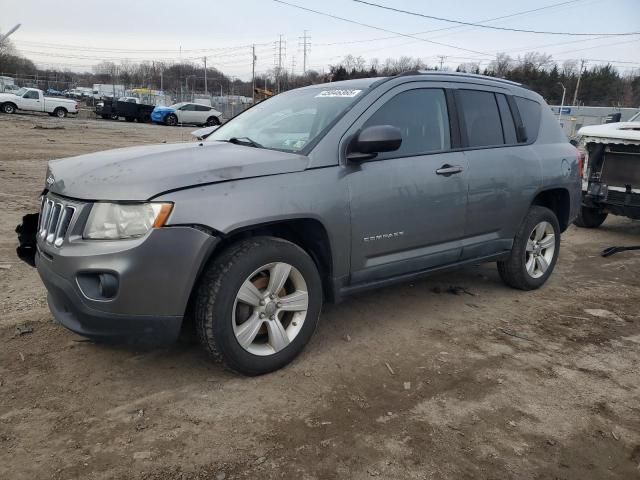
[[307, 197]]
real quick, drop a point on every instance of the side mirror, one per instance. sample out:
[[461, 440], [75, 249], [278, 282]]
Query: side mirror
[[373, 140]]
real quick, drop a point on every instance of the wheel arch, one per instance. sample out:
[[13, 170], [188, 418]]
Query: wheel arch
[[307, 233], [558, 200], [8, 103]]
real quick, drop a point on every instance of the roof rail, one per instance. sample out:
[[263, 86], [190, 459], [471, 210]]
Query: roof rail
[[458, 74]]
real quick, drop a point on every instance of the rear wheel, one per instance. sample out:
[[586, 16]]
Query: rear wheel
[[212, 121], [590, 217], [534, 252], [8, 108], [114, 116], [60, 112], [171, 120], [258, 305]]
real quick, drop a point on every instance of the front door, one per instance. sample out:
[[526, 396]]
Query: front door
[[31, 101], [408, 206]]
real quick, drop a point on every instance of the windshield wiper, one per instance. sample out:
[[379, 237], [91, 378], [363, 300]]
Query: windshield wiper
[[244, 141]]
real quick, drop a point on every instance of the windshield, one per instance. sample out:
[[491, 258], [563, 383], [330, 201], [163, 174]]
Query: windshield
[[21, 92], [635, 118], [289, 121]]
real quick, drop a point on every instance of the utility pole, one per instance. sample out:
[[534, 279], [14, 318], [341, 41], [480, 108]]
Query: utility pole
[[253, 73], [206, 89], [575, 94], [279, 64], [441, 57], [305, 48]]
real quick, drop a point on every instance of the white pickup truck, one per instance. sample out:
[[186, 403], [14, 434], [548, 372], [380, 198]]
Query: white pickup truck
[[33, 100]]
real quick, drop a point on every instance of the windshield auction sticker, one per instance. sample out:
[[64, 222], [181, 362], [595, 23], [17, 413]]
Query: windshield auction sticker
[[338, 93]]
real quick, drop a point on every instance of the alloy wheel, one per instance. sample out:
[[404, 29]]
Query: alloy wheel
[[270, 308], [541, 247]]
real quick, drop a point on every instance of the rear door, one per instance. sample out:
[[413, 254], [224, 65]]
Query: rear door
[[504, 172], [202, 113], [407, 213]]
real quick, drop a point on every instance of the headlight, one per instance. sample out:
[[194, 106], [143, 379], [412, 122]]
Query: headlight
[[112, 221]]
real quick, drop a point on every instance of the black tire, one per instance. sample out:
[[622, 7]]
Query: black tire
[[60, 112], [590, 217], [8, 108], [129, 119], [216, 297], [114, 116], [212, 121], [513, 270], [171, 120]]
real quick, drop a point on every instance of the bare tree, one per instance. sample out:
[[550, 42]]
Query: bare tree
[[501, 65]]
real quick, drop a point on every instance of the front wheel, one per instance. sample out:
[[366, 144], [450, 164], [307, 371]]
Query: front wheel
[[258, 304], [534, 252], [212, 121], [590, 217], [171, 120], [9, 108]]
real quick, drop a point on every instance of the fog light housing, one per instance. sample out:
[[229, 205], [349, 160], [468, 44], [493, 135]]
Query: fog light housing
[[98, 285]]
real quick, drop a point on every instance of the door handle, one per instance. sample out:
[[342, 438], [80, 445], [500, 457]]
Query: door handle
[[447, 170]]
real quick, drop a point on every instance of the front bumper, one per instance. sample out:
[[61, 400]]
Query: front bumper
[[616, 202], [153, 277]]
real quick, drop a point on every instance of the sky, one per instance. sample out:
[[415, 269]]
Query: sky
[[80, 33]]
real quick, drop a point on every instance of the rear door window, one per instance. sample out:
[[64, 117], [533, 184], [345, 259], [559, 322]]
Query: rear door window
[[508, 125], [530, 115], [481, 118]]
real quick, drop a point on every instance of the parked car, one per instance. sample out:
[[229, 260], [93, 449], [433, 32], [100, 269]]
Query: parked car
[[128, 107], [9, 88], [611, 182], [33, 100], [185, 112], [250, 231], [54, 93]]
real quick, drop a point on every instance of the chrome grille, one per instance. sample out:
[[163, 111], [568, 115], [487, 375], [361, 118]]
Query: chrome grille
[[55, 218]]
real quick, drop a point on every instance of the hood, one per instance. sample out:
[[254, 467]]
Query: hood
[[163, 109], [624, 131], [203, 133], [140, 173], [7, 96]]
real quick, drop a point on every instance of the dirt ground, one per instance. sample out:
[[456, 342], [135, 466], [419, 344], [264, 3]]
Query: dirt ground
[[418, 381]]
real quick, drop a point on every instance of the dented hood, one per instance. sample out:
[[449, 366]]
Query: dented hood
[[140, 173]]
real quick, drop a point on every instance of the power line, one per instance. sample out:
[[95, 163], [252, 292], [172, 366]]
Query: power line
[[491, 27], [59, 46], [377, 28], [515, 14]]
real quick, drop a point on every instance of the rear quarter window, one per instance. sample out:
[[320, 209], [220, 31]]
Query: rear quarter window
[[530, 115]]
